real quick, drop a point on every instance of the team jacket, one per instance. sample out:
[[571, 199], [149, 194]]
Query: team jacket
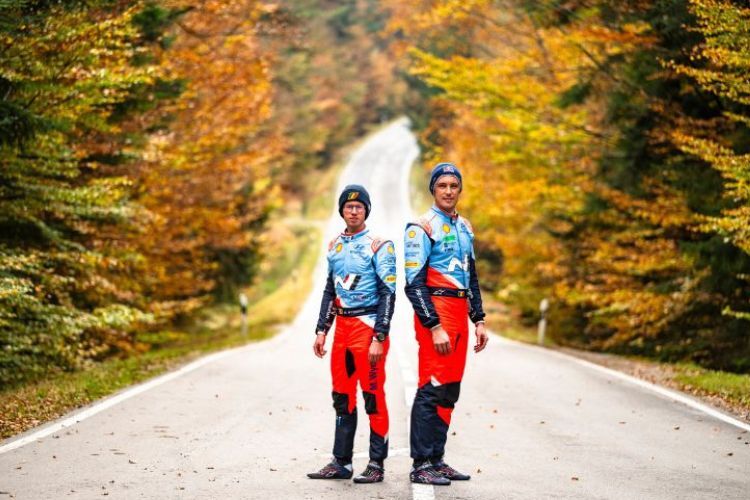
[[361, 275], [439, 254]]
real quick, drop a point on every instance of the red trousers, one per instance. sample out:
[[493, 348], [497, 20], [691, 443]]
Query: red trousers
[[350, 365], [439, 379]]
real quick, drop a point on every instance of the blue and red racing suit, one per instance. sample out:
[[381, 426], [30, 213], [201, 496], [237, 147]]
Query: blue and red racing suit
[[360, 293], [443, 288]]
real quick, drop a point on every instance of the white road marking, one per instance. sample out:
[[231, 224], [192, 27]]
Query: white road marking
[[408, 374], [112, 401], [668, 393]]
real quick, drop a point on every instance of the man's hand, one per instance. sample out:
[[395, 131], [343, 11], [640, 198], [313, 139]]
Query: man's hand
[[319, 347], [376, 351], [482, 337], [441, 341]]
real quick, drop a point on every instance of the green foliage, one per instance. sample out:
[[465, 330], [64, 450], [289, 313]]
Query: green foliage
[[67, 87]]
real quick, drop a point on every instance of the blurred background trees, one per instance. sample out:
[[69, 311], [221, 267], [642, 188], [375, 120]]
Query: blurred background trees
[[145, 146]]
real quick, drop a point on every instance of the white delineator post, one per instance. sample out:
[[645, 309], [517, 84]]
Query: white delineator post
[[543, 307], [243, 314]]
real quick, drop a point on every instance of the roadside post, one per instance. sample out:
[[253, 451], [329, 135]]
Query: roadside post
[[543, 307], [243, 313]]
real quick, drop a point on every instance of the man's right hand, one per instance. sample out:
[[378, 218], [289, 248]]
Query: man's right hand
[[441, 341], [319, 347]]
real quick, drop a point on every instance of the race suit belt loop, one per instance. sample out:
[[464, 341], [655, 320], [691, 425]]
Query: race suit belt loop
[[356, 311], [460, 293]]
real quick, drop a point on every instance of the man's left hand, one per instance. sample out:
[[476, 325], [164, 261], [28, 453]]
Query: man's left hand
[[482, 337], [376, 351]]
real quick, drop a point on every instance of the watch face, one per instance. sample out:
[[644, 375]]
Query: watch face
[[380, 337]]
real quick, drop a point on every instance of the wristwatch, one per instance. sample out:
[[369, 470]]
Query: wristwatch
[[380, 337]]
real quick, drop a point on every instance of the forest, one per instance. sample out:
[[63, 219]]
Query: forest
[[146, 145]]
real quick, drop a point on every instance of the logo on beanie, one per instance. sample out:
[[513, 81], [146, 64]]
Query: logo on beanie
[[352, 196], [448, 169]]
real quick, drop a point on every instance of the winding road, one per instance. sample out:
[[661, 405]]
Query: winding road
[[248, 423]]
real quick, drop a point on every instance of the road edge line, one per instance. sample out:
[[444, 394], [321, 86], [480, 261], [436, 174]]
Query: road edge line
[[663, 391], [99, 406]]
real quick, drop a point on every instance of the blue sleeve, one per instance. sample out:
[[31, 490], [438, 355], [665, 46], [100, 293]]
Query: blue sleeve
[[417, 248], [327, 311], [385, 276]]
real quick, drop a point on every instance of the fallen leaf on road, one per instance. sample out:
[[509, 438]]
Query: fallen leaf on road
[[574, 478], [131, 461], [479, 471], [677, 428], [730, 454], [274, 470]]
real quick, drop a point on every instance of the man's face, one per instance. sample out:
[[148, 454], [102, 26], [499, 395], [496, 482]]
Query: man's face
[[354, 215], [447, 189]]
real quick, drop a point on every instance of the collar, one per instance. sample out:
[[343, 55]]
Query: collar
[[354, 236], [452, 218]]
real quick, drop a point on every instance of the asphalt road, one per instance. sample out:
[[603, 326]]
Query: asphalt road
[[250, 422]]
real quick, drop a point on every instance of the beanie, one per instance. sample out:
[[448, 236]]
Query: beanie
[[355, 192], [444, 169]]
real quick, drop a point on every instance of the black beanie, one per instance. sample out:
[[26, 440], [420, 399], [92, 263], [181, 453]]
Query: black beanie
[[355, 192]]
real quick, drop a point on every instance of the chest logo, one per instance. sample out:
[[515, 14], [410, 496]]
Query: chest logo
[[446, 228], [454, 263], [339, 247], [349, 282], [412, 234]]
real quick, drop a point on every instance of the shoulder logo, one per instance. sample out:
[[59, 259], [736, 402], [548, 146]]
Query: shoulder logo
[[339, 247], [390, 249], [391, 278], [446, 228], [412, 233]]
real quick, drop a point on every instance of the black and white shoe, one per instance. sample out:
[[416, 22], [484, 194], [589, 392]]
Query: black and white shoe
[[334, 470], [426, 474], [449, 472], [373, 473]]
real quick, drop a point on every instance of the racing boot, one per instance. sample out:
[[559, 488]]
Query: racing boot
[[449, 472], [334, 470], [373, 473], [426, 474]]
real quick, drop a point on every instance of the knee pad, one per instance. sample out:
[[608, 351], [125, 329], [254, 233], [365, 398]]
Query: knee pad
[[341, 403], [447, 394], [371, 404]]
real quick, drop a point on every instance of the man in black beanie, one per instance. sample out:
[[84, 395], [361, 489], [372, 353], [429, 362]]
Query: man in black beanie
[[359, 294]]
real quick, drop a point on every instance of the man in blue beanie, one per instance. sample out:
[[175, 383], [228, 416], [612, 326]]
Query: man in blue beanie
[[443, 288], [359, 293]]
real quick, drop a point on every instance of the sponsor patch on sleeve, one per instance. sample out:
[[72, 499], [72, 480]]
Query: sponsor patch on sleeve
[[412, 263], [391, 278]]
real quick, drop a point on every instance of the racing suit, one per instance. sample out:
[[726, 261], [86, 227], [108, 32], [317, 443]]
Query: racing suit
[[443, 288], [360, 292]]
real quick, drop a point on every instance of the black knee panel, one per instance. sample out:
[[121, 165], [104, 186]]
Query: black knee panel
[[341, 403], [371, 405], [447, 394]]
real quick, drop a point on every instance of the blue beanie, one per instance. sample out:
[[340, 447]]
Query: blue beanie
[[444, 169], [355, 192]]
